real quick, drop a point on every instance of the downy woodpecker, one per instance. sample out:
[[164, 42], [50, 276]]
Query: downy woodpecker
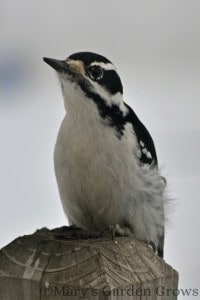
[[105, 159]]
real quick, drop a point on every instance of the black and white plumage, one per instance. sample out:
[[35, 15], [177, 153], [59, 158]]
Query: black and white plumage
[[105, 159]]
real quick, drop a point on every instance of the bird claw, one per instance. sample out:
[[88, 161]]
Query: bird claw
[[110, 229], [152, 245], [116, 230], [123, 230], [73, 232]]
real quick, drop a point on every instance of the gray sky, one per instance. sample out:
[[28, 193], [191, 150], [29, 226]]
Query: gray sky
[[156, 48]]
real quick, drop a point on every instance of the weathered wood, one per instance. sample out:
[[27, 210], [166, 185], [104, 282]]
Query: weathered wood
[[43, 266]]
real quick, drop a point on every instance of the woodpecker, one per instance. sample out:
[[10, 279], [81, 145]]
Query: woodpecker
[[105, 159]]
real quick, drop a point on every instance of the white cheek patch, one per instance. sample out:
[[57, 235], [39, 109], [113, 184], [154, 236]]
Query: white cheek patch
[[108, 98], [116, 99]]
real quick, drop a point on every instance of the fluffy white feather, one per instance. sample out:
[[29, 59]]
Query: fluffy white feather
[[100, 180]]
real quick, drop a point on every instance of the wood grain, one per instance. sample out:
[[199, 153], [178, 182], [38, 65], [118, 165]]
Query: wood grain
[[44, 266]]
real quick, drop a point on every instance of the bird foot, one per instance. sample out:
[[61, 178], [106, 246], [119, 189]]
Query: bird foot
[[116, 230], [152, 246], [73, 232]]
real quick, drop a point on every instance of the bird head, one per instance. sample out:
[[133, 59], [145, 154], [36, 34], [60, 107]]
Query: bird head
[[88, 78]]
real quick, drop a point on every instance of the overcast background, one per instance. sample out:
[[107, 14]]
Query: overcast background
[[156, 48]]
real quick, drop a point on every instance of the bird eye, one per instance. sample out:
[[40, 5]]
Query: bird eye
[[95, 72]]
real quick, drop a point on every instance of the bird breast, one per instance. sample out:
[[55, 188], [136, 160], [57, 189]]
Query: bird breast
[[94, 170]]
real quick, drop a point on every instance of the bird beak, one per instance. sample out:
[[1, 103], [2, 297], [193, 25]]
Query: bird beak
[[58, 65], [66, 66]]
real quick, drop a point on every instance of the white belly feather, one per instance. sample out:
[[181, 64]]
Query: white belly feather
[[101, 183]]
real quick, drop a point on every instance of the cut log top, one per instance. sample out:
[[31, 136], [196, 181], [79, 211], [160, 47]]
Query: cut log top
[[45, 265]]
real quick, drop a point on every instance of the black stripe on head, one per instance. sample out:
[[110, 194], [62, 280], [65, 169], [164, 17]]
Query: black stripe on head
[[111, 82], [88, 57], [110, 79]]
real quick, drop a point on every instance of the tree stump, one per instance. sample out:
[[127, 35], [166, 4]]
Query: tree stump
[[47, 266]]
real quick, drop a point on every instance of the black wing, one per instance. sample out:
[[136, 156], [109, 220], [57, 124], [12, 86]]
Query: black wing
[[148, 153], [145, 141]]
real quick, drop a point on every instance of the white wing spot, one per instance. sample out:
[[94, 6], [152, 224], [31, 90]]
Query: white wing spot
[[149, 155], [144, 150], [141, 144]]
